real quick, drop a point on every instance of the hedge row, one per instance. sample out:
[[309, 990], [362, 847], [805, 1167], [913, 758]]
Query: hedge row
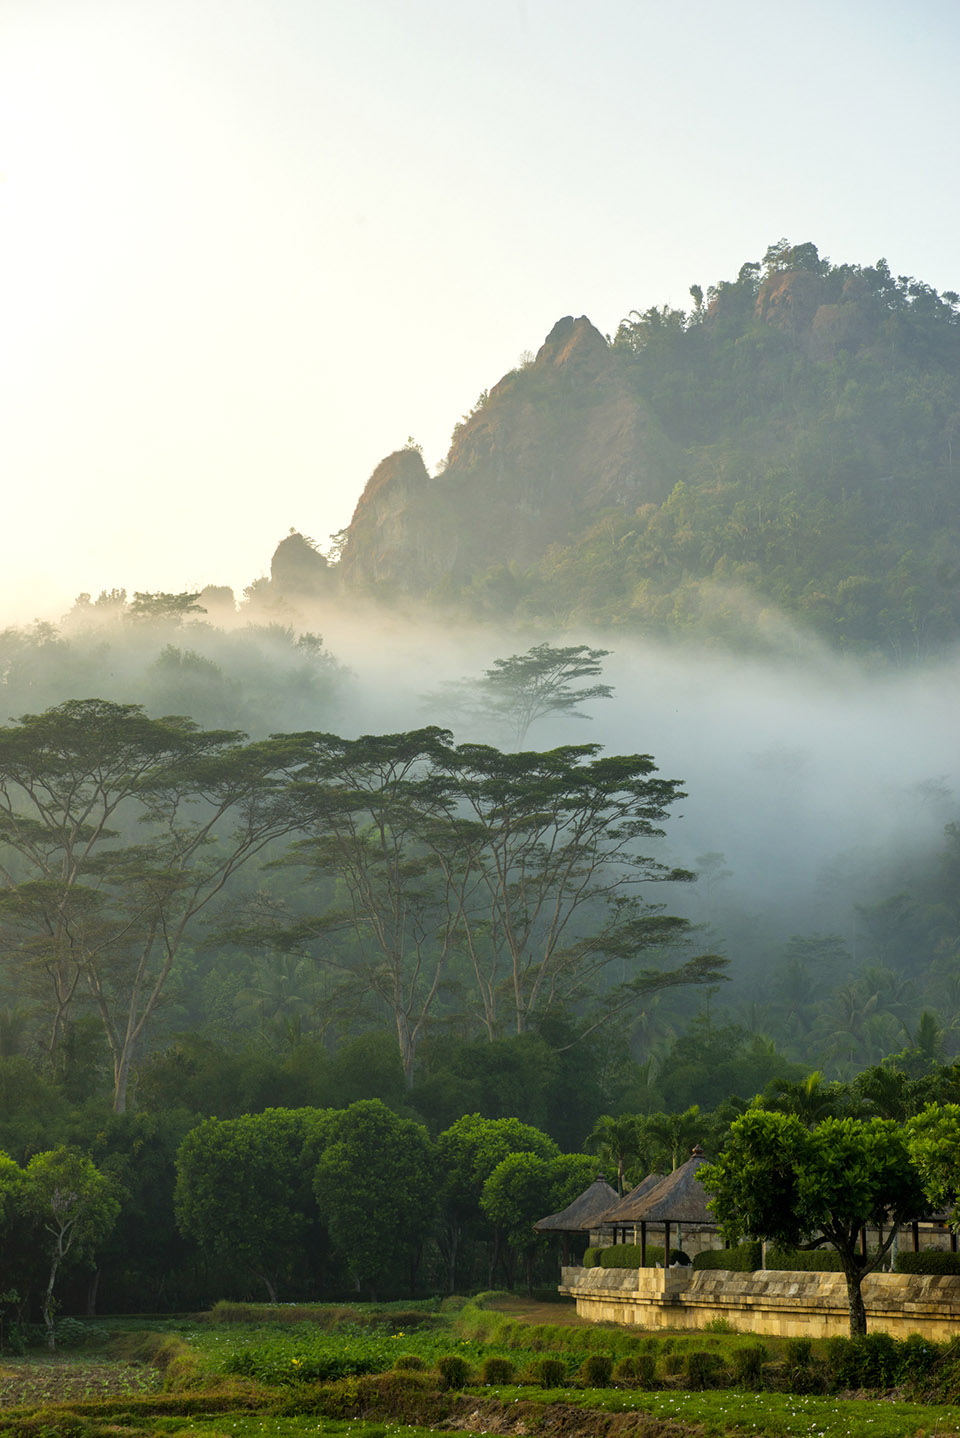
[[804, 1260], [745, 1258], [932, 1261], [627, 1255]]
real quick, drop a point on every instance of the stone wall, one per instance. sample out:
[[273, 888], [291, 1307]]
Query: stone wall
[[811, 1305]]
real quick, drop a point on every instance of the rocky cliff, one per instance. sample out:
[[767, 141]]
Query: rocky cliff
[[551, 445]]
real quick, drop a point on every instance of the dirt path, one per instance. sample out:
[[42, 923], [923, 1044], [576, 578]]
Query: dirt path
[[528, 1310]]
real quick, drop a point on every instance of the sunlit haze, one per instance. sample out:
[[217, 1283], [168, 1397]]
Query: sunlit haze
[[250, 246]]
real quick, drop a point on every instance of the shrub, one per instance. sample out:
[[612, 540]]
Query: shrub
[[454, 1371], [404, 1397], [719, 1325], [870, 1360], [550, 1373], [596, 1370], [933, 1261], [917, 1357], [497, 1370], [797, 1351], [625, 1372], [70, 1332], [646, 1370], [703, 1369], [748, 1365], [814, 1260], [627, 1255], [591, 1258], [673, 1362], [410, 1361], [744, 1258]]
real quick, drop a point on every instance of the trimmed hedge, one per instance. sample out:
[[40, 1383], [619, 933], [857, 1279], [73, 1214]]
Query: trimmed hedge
[[933, 1261], [627, 1255], [591, 1258], [812, 1260], [745, 1258]]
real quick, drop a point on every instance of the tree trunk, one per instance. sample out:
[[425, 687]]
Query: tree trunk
[[46, 1307], [92, 1290], [453, 1246], [858, 1313], [268, 1284]]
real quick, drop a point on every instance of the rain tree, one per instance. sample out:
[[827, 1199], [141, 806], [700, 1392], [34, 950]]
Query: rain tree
[[801, 1188], [523, 867], [116, 833], [553, 841], [367, 806], [516, 692]]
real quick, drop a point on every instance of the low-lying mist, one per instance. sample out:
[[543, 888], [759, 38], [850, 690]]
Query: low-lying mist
[[818, 788]]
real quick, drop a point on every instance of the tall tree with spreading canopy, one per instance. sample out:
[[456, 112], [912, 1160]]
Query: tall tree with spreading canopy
[[367, 806], [553, 842], [516, 692], [85, 904]]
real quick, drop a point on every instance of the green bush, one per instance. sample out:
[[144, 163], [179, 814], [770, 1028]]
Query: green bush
[[703, 1369], [70, 1332], [550, 1373], [744, 1258], [408, 1360], [748, 1365], [673, 1362], [870, 1360], [596, 1371], [625, 1372], [454, 1371], [814, 1260], [797, 1351], [646, 1370], [933, 1261], [918, 1357], [496, 1371], [627, 1255], [591, 1258]]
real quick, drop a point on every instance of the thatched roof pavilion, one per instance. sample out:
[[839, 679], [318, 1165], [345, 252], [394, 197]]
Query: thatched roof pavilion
[[679, 1198], [622, 1211], [583, 1213]]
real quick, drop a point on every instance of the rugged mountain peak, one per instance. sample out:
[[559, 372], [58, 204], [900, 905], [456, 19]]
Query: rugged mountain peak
[[573, 343], [298, 570]]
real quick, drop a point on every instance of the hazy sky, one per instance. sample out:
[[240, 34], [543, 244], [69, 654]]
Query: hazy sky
[[247, 247]]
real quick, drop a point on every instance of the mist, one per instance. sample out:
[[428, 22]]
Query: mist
[[816, 787]]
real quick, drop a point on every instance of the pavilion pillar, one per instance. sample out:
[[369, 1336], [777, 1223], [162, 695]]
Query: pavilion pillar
[[915, 1229], [643, 1243]]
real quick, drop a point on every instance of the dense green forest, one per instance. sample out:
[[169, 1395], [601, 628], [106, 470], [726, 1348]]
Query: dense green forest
[[455, 861], [781, 457]]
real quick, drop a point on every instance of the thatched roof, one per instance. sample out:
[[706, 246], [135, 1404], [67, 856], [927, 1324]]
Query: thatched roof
[[678, 1198], [622, 1210], [583, 1213]]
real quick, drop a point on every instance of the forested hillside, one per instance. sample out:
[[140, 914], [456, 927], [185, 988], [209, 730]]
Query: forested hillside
[[790, 445]]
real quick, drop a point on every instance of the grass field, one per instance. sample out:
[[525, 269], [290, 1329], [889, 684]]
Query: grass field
[[399, 1372]]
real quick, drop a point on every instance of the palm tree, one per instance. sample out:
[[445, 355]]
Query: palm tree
[[617, 1140], [676, 1132]]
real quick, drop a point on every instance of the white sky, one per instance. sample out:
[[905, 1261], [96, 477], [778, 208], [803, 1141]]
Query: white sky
[[247, 247]]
